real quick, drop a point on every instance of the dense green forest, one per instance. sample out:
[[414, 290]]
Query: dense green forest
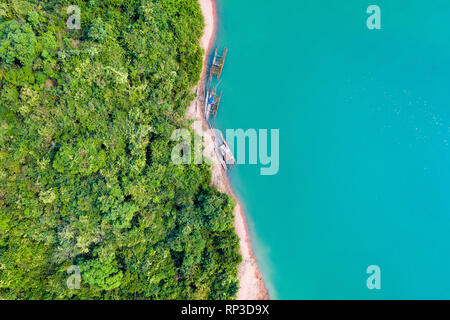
[[86, 177]]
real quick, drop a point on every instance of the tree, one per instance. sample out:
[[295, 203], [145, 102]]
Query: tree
[[86, 176]]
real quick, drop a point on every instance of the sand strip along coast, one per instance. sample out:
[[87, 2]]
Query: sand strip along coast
[[251, 283]]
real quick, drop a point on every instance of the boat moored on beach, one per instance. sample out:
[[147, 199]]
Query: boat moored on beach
[[217, 64], [212, 102], [224, 153]]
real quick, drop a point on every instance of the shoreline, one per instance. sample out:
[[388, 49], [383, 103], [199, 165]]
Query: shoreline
[[251, 283]]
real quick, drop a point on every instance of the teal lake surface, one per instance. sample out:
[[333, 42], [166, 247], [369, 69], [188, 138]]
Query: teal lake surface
[[364, 120]]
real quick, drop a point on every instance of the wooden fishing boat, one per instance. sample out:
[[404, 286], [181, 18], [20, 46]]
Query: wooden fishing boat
[[217, 64], [212, 102], [224, 153]]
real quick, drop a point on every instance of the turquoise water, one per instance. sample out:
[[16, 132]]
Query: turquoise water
[[364, 118]]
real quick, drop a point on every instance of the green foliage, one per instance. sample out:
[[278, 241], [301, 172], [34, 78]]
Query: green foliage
[[102, 273], [85, 172], [17, 43]]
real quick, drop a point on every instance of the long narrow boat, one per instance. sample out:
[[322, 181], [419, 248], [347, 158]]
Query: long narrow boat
[[212, 102], [224, 153], [217, 64], [207, 110]]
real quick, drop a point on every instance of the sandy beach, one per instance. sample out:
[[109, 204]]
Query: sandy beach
[[251, 283]]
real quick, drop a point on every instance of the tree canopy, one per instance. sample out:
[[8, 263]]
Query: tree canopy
[[86, 176]]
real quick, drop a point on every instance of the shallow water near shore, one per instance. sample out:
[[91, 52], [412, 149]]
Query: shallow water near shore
[[364, 120]]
